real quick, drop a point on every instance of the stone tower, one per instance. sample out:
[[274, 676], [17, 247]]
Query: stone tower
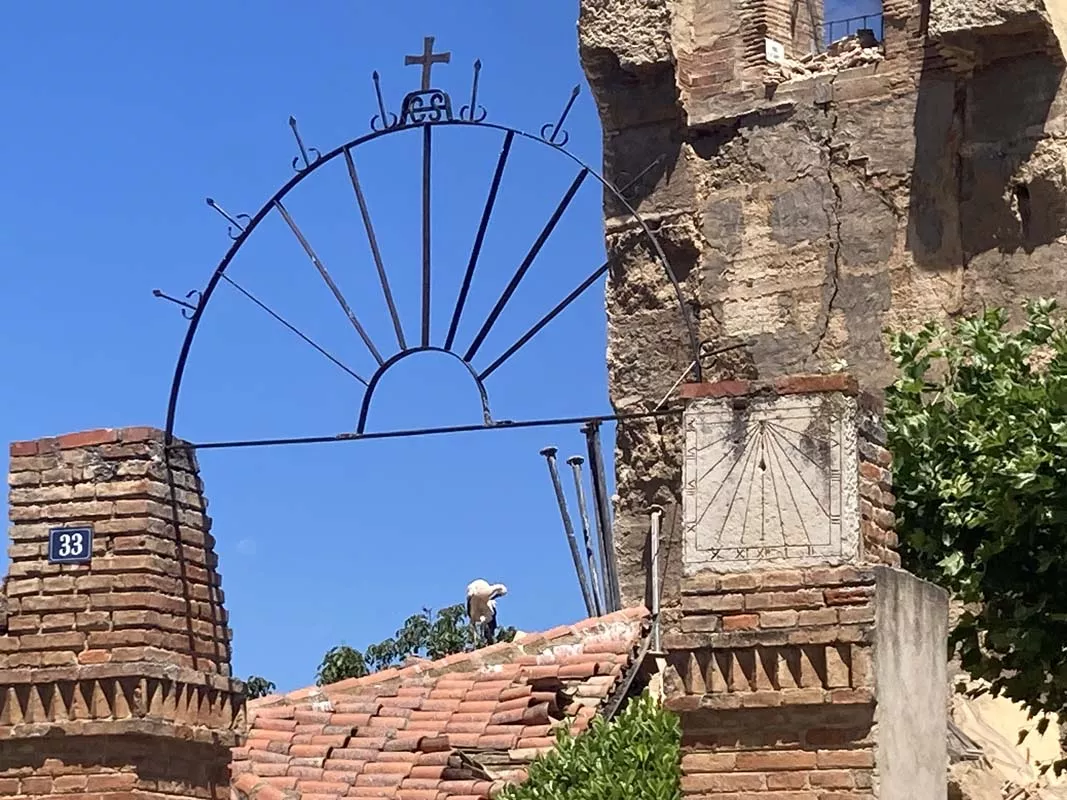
[[805, 208], [808, 202], [114, 648]]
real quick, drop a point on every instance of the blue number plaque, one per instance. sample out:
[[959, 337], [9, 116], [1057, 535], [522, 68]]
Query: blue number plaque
[[70, 545]]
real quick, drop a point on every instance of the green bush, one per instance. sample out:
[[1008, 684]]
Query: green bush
[[256, 687], [424, 634], [636, 756], [339, 663], [977, 424]]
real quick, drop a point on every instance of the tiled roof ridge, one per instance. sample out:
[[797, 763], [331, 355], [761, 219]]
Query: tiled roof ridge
[[460, 728], [531, 643]]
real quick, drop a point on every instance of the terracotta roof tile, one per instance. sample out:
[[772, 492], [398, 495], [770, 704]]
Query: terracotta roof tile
[[422, 731]]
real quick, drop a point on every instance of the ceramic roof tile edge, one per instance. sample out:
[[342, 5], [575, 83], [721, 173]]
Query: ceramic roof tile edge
[[483, 658], [253, 787]]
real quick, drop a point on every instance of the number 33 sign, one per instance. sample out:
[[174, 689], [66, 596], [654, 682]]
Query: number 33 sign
[[70, 545]]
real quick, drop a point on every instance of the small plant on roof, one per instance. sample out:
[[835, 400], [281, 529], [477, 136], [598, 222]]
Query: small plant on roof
[[339, 663], [636, 756], [256, 687], [425, 635]]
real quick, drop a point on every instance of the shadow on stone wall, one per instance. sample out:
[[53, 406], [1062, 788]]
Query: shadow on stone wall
[[981, 180], [643, 124]]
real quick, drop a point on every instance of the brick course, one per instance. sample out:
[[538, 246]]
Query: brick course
[[799, 753], [148, 591], [773, 638], [877, 521]]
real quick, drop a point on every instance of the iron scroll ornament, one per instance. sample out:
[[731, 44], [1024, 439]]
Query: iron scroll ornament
[[427, 108]]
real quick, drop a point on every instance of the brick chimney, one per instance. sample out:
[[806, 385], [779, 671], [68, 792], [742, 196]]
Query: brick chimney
[[114, 646], [805, 660]]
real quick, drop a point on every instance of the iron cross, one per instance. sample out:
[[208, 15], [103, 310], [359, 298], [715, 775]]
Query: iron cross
[[427, 60]]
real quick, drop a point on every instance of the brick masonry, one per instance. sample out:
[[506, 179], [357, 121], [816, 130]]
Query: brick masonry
[[726, 50], [877, 501], [147, 594], [114, 674], [773, 674], [773, 638]]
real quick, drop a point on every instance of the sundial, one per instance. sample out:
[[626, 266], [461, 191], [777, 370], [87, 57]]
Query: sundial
[[768, 482]]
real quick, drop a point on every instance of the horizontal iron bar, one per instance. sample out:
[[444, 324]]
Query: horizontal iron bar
[[843, 20], [401, 434]]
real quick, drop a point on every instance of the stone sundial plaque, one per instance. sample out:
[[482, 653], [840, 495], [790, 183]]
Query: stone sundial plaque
[[770, 482]]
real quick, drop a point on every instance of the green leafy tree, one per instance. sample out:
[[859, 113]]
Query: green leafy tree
[[977, 423], [636, 756], [256, 686], [339, 663], [425, 634]]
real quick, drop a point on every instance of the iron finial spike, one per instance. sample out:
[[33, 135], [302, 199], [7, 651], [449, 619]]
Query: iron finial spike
[[550, 132], [299, 143], [234, 221], [378, 91], [471, 111], [188, 309], [382, 115]]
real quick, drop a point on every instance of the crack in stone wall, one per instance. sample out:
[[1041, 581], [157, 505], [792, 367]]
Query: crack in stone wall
[[833, 220]]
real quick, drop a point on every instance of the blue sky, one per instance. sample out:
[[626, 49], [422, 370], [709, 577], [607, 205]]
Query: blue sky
[[121, 117]]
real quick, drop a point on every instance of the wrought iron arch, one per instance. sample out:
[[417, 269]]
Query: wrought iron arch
[[425, 109]]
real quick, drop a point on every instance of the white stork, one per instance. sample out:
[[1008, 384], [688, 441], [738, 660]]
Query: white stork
[[481, 606]]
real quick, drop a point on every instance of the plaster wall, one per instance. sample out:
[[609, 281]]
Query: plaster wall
[[911, 686]]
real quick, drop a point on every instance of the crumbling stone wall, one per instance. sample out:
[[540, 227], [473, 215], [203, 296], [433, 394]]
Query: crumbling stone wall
[[803, 216]]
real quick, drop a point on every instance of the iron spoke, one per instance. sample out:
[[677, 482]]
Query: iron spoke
[[427, 147], [291, 327], [329, 281], [375, 251], [479, 239], [547, 318], [526, 263]]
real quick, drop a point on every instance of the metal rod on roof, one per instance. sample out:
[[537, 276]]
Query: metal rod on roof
[[594, 584], [550, 456], [613, 599], [657, 518]]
